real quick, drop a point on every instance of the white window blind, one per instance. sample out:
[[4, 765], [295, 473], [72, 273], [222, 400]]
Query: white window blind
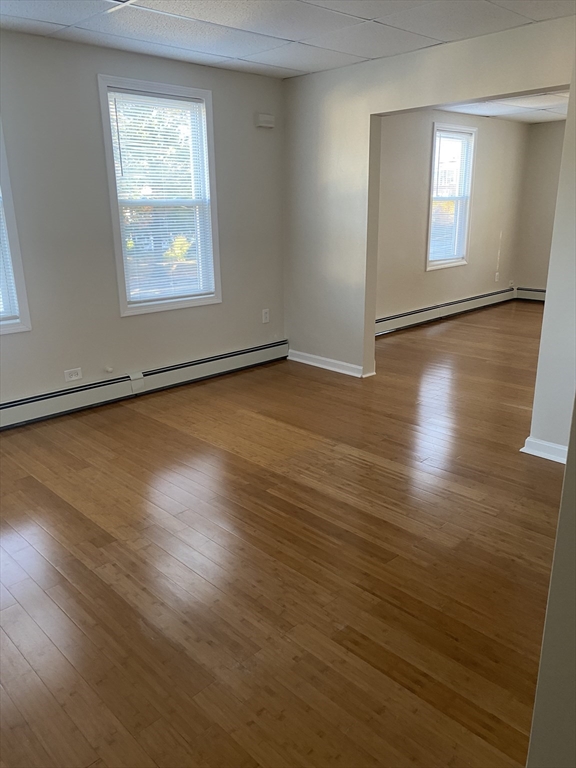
[[450, 196], [9, 310], [162, 181]]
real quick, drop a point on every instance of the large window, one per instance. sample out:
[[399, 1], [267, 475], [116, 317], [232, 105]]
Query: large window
[[452, 166], [14, 314], [159, 153]]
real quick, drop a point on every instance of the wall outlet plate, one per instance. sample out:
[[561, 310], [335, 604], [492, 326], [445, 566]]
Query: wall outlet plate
[[74, 374], [264, 121], [265, 315]]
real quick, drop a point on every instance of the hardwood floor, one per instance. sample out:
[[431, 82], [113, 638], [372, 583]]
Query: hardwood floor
[[285, 566]]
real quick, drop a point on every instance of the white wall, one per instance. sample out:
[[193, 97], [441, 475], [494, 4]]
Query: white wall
[[556, 375], [538, 203], [53, 132], [553, 737], [330, 282], [405, 162]]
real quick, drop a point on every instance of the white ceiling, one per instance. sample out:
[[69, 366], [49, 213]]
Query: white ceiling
[[280, 38], [537, 108]]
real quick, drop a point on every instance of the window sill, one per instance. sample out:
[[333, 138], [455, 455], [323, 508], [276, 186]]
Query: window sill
[[433, 265], [163, 306], [14, 326]]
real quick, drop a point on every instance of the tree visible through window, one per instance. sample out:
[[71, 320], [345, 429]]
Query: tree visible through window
[[161, 170], [450, 195]]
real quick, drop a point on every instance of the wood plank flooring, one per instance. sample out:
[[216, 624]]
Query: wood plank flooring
[[285, 566]]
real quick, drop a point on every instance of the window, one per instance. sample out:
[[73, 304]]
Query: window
[[452, 165], [14, 314], [158, 141]]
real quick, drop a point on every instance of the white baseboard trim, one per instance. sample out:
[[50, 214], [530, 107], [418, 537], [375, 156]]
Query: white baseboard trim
[[438, 311], [327, 363], [97, 393], [533, 294], [546, 450]]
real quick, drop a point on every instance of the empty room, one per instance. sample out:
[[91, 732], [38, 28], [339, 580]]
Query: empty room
[[288, 364]]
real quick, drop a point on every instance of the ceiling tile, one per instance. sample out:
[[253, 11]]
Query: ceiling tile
[[368, 9], [560, 109], [537, 101], [306, 58], [539, 10], [138, 46], [484, 108], [54, 11], [159, 28], [370, 40], [448, 20], [287, 19], [536, 116], [255, 68], [29, 25]]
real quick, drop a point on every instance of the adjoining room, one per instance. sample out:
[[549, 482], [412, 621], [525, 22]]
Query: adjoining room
[[467, 197]]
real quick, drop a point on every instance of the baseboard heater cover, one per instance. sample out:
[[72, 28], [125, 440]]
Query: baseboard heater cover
[[438, 311], [63, 401], [534, 294]]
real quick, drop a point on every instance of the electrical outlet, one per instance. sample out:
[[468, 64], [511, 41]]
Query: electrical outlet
[[74, 374], [511, 283], [497, 277], [265, 315]]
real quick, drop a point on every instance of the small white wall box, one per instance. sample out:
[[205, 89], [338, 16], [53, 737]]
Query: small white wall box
[[265, 121]]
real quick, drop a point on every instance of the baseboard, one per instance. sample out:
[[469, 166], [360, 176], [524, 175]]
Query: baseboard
[[546, 450], [438, 311], [533, 294], [100, 392], [325, 362]]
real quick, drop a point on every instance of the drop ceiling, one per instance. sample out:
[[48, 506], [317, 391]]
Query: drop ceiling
[[536, 108], [278, 38]]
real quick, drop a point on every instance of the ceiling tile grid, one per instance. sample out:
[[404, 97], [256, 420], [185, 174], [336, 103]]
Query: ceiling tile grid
[[31, 26], [535, 108], [279, 38], [447, 20], [288, 19], [368, 9], [370, 40], [75, 34], [63, 12], [180, 32], [308, 57], [539, 10]]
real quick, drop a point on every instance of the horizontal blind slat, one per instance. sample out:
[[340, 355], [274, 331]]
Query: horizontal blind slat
[[9, 309], [160, 159]]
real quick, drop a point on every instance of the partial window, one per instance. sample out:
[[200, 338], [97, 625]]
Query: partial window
[[14, 314], [159, 150], [452, 167]]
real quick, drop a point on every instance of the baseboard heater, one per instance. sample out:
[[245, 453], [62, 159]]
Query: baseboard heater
[[64, 401], [534, 294], [438, 311]]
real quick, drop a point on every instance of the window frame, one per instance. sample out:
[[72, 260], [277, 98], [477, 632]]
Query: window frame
[[22, 323], [148, 88], [432, 265]]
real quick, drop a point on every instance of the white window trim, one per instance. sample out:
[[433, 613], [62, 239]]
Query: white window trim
[[23, 321], [161, 89], [431, 266]]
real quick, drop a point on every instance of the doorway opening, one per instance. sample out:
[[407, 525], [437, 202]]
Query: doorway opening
[[466, 202]]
